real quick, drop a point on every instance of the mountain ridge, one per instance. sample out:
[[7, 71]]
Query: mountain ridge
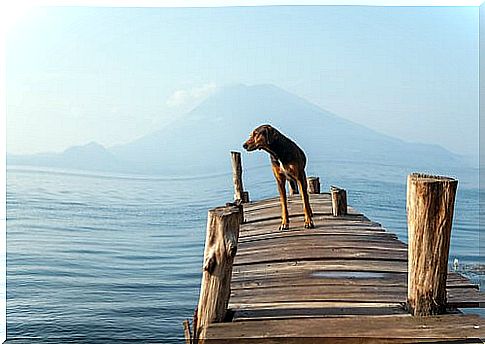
[[201, 140]]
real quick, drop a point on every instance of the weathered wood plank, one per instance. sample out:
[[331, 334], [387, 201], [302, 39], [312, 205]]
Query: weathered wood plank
[[296, 225], [343, 233], [311, 312], [323, 197], [259, 220], [337, 279], [454, 327], [465, 297], [323, 240], [316, 266], [301, 253], [311, 304], [294, 212]]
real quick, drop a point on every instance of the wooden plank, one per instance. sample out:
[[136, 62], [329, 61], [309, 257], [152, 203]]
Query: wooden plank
[[343, 233], [465, 298], [447, 327], [312, 304], [297, 210], [362, 293], [341, 278], [332, 279], [323, 239], [270, 255], [323, 214], [274, 201], [345, 340], [320, 293], [296, 225], [312, 312], [325, 221], [316, 266]]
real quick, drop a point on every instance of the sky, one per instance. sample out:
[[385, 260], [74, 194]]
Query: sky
[[111, 75]]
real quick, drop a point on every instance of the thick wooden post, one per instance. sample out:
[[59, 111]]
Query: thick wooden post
[[430, 205], [339, 201], [220, 250], [239, 193], [313, 185]]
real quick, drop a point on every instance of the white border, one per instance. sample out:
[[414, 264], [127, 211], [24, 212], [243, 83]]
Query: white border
[[9, 11], [232, 3]]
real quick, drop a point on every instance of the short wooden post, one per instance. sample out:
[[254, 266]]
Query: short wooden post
[[245, 197], [313, 185], [239, 193], [187, 334], [339, 201], [430, 205], [220, 249]]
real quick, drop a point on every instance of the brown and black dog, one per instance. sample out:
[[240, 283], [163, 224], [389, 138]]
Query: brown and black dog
[[288, 162]]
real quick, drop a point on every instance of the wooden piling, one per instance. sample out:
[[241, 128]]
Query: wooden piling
[[239, 193], [188, 336], [339, 201], [430, 205], [313, 185], [220, 249]]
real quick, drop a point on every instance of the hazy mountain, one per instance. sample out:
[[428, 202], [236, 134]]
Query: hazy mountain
[[200, 141], [91, 156]]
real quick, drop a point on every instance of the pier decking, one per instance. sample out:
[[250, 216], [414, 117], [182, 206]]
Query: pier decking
[[344, 281]]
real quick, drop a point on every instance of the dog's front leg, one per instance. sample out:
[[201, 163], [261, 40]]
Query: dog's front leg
[[285, 222], [281, 182], [306, 202]]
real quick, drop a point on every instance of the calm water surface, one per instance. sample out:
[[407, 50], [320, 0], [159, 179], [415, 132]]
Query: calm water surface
[[107, 258]]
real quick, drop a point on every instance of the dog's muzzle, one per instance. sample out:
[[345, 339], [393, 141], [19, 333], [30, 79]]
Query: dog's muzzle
[[250, 147]]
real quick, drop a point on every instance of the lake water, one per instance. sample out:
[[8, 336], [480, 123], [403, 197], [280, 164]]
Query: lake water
[[98, 258]]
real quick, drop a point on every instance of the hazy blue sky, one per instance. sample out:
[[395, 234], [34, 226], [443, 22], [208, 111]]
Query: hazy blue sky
[[111, 75]]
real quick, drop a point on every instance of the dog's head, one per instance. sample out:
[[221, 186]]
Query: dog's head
[[260, 138]]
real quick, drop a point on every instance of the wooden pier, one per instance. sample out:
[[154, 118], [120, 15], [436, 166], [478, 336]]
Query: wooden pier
[[345, 281]]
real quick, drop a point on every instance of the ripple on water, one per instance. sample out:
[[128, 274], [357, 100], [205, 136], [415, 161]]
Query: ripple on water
[[97, 260]]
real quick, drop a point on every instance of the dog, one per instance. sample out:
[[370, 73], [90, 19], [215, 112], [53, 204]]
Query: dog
[[288, 162]]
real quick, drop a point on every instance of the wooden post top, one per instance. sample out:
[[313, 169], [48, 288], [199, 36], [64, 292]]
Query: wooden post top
[[224, 210], [427, 178], [335, 188]]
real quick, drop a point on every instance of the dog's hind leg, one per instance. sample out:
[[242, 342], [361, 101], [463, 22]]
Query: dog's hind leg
[[306, 202], [281, 182], [293, 186]]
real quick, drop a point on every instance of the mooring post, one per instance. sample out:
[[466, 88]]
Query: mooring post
[[339, 201], [313, 185], [430, 204], [239, 193], [187, 334], [220, 249]]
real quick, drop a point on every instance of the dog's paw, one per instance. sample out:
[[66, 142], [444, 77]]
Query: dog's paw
[[309, 224], [284, 227]]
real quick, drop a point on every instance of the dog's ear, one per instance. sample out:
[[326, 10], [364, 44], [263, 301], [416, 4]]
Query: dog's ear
[[269, 134]]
